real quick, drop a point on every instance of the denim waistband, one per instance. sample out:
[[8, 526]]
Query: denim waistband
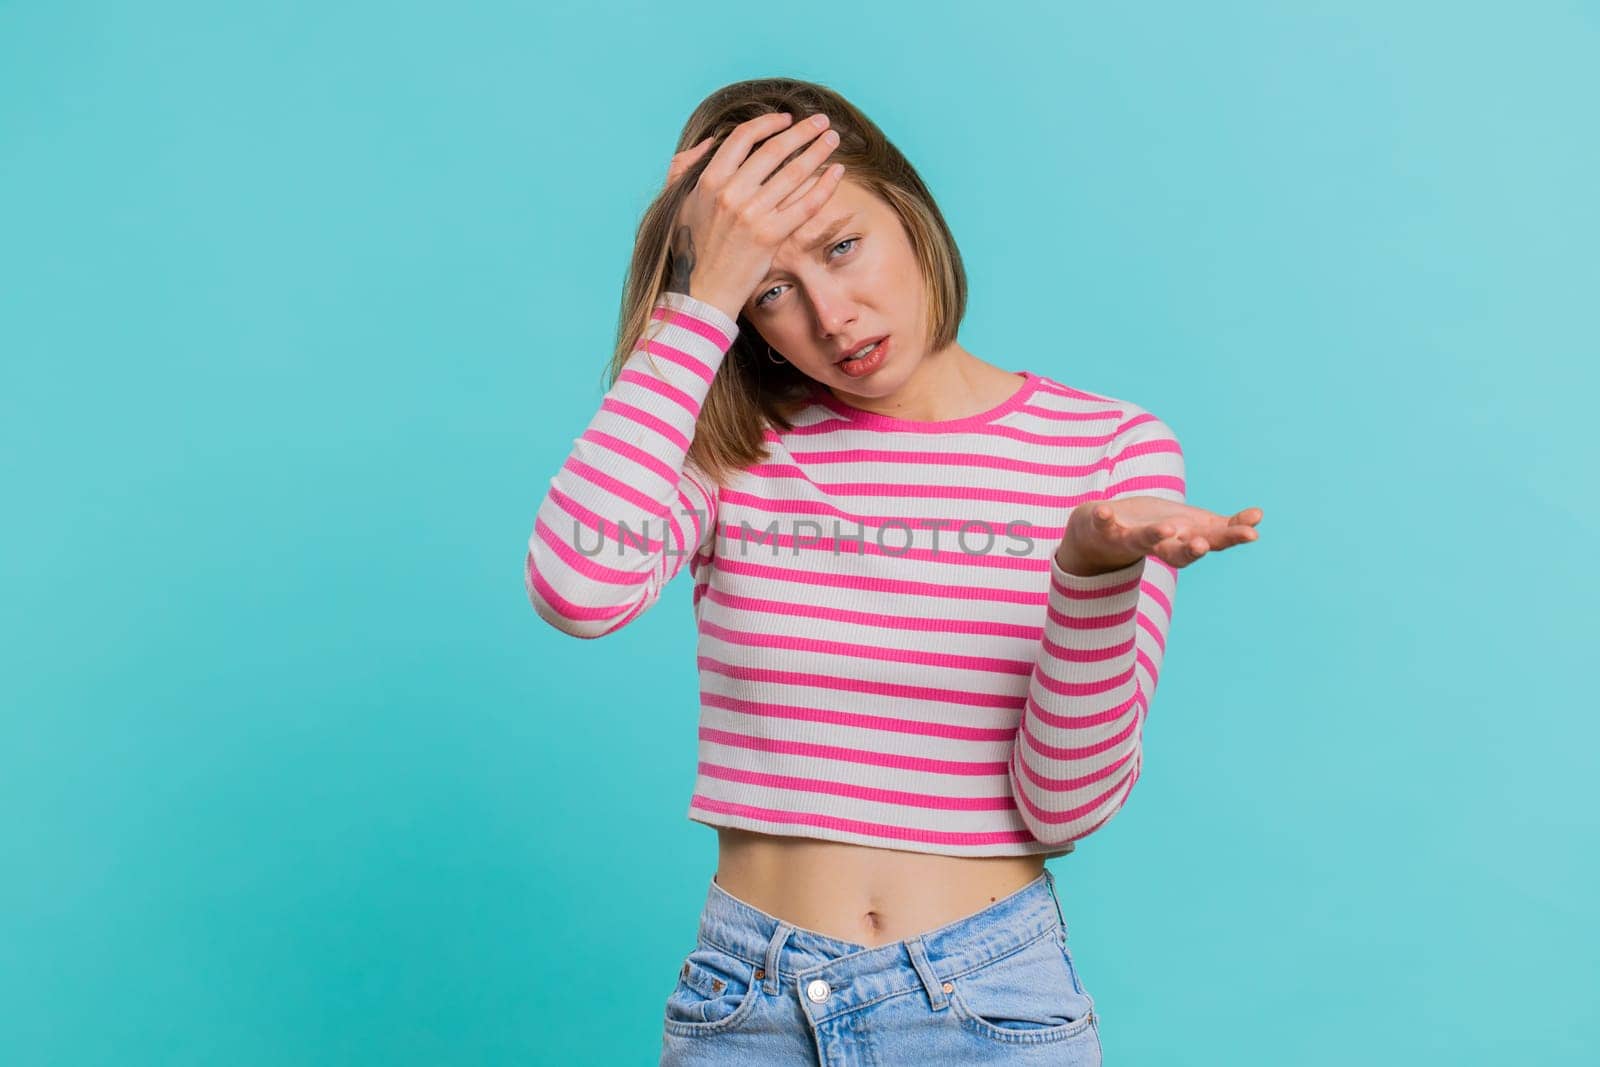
[[852, 975]]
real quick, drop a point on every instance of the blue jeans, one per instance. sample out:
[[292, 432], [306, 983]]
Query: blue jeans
[[998, 986]]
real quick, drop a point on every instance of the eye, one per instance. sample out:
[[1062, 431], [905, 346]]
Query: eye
[[762, 301]]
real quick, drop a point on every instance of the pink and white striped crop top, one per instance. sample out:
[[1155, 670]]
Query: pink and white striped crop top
[[888, 653]]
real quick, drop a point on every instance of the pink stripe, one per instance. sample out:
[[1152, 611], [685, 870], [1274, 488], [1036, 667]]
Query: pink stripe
[[680, 547], [617, 488], [676, 356], [1058, 653], [708, 496], [790, 609], [661, 388], [922, 490], [851, 457], [869, 757], [1150, 669], [884, 831], [1056, 388], [611, 532], [860, 685], [855, 720], [1023, 771], [1161, 446], [632, 614], [1138, 420], [560, 604], [1043, 441], [1142, 484], [1151, 627], [691, 510], [582, 564], [1081, 691], [1115, 621], [789, 508], [873, 584], [638, 456], [640, 417], [1082, 752], [1085, 721], [1155, 595], [1071, 813], [1102, 593], [828, 787], [996, 560], [1072, 416], [872, 653], [678, 317]]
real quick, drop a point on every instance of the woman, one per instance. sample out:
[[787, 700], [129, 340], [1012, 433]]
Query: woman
[[932, 598]]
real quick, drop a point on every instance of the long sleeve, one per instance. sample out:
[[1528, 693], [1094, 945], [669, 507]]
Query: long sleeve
[[627, 510], [1078, 747]]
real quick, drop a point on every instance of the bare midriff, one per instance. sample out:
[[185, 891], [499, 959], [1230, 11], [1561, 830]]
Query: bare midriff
[[858, 893]]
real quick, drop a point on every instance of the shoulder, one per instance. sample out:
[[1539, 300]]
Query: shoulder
[[1116, 418]]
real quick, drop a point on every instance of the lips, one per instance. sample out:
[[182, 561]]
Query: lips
[[865, 342]]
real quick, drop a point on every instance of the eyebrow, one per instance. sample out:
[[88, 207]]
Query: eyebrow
[[832, 232]]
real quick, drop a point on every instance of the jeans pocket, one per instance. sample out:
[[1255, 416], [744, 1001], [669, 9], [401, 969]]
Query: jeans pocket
[[716, 991], [1031, 996]]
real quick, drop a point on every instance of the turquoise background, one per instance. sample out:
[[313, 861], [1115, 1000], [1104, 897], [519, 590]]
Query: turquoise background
[[302, 304]]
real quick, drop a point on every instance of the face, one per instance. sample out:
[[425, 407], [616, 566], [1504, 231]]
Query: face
[[846, 276]]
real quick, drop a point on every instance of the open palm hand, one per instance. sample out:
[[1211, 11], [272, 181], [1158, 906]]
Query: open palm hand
[[1107, 535]]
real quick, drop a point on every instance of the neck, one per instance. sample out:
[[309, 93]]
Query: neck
[[949, 384]]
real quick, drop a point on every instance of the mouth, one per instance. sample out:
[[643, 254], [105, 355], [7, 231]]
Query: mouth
[[870, 341]]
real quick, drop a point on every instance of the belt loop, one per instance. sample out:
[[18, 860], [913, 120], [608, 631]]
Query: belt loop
[[774, 947], [930, 981], [1050, 880]]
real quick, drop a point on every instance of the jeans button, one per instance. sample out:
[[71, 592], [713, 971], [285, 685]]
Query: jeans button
[[817, 990]]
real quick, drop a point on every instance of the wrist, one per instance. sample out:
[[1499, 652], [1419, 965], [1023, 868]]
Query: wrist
[[1073, 560], [717, 298]]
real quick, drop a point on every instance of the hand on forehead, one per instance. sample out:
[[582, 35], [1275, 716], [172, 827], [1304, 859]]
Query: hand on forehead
[[830, 207]]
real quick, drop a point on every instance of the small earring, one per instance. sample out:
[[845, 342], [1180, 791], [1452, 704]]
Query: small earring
[[775, 359]]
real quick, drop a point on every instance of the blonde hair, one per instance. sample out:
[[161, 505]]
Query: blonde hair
[[750, 392]]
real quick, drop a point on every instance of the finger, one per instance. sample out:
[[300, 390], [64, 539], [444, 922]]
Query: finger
[[1236, 535], [1106, 524], [733, 150], [1218, 541], [1152, 535], [756, 176], [797, 170], [1190, 550], [686, 159], [790, 219], [1247, 517], [1182, 551], [801, 190], [1103, 518]]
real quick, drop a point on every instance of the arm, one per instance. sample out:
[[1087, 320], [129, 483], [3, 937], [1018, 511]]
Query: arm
[[1077, 752], [627, 509]]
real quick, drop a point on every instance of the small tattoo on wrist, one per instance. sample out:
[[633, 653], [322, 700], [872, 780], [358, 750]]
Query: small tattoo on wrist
[[682, 261]]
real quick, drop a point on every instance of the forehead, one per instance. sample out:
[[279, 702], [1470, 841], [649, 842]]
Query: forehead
[[848, 199]]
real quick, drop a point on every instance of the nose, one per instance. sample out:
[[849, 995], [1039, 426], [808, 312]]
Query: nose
[[835, 311]]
